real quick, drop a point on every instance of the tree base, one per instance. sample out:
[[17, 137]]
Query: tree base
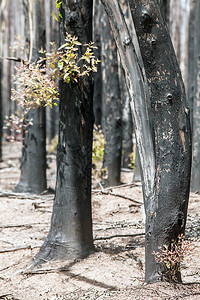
[[54, 250]]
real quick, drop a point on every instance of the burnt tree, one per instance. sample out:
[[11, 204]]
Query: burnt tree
[[111, 105], [33, 161], [1, 115], [70, 234], [165, 154], [194, 91]]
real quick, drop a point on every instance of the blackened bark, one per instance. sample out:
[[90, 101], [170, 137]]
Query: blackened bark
[[112, 109], [52, 35], [127, 122], [127, 126], [70, 234], [165, 9], [166, 215], [1, 114], [97, 105], [195, 95], [192, 65], [33, 161]]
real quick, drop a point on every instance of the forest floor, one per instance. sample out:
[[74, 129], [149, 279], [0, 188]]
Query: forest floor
[[114, 271]]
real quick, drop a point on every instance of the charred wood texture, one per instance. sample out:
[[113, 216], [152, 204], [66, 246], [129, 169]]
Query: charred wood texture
[[166, 213], [70, 235], [194, 96], [1, 115], [97, 102], [111, 104]]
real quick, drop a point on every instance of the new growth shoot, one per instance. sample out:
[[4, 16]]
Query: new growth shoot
[[36, 84]]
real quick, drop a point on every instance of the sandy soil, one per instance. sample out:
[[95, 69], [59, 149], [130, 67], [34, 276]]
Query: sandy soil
[[114, 271]]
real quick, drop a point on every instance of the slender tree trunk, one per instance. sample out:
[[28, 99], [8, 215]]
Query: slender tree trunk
[[52, 35], [70, 235], [178, 29], [97, 11], [127, 122], [165, 183], [112, 109], [1, 112], [33, 161], [127, 126], [166, 7], [1, 106], [194, 94], [192, 59]]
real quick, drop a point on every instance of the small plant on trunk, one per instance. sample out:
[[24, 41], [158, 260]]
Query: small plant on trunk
[[171, 257]]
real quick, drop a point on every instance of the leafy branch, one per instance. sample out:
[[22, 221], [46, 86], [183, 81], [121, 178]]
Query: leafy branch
[[36, 84]]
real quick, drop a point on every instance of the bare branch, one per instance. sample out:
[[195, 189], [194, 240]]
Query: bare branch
[[118, 236]]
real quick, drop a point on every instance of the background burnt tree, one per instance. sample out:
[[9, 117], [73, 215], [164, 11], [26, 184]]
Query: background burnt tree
[[166, 8], [33, 161], [97, 102], [1, 106], [192, 65], [111, 105], [70, 234], [178, 29], [127, 123], [1, 115], [51, 30], [194, 91], [165, 166]]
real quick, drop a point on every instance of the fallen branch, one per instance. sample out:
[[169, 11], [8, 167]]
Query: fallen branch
[[40, 271], [44, 271], [36, 205], [24, 196], [137, 202], [118, 236], [114, 187], [19, 248], [22, 225]]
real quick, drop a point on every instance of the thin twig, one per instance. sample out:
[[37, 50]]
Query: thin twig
[[137, 202], [40, 271], [24, 195], [23, 225], [17, 59], [118, 235], [115, 187], [19, 248]]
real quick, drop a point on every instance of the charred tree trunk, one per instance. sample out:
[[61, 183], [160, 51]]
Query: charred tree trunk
[[70, 234], [195, 95], [52, 35], [97, 11], [127, 126], [167, 218], [33, 161], [112, 110], [165, 8], [165, 183], [1, 113], [192, 66], [1, 106]]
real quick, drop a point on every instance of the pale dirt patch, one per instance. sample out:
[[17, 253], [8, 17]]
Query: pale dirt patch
[[114, 271]]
